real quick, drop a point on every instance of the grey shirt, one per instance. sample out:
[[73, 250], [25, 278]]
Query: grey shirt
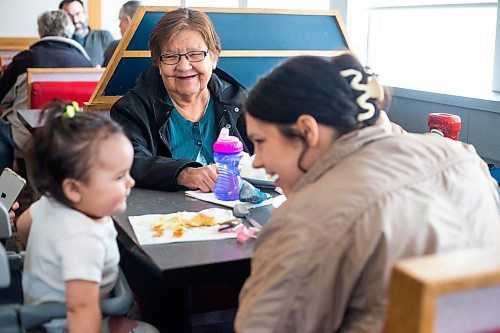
[[96, 43], [110, 51]]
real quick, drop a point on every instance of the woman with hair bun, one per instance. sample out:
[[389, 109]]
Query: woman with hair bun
[[361, 195]]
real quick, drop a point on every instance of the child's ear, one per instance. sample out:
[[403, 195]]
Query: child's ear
[[71, 189]]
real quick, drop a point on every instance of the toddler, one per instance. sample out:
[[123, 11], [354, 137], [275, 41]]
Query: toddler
[[80, 165]]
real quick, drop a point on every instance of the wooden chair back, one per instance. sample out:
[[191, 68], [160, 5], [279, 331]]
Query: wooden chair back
[[75, 84], [455, 292]]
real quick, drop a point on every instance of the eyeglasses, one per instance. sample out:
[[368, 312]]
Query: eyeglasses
[[173, 59]]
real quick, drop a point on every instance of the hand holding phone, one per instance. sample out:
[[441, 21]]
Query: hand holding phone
[[11, 185]]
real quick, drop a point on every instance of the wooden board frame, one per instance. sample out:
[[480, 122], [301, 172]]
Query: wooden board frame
[[101, 101]]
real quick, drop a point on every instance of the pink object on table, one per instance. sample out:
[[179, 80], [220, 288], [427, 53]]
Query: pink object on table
[[243, 233]]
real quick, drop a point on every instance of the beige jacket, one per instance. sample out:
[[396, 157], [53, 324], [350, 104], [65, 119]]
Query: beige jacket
[[323, 262], [17, 99]]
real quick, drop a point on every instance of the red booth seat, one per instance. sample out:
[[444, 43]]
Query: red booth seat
[[45, 91]]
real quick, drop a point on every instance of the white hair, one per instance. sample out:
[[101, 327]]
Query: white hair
[[55, 23]]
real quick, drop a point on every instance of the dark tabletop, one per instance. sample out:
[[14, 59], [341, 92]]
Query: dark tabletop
[[181, 255]]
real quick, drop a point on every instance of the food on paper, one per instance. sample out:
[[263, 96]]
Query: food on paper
[[182, 226], [178, 223], [179, 232], [201, 220]]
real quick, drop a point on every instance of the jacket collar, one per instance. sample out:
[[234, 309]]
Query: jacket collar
[[344, 146], [65, 40]]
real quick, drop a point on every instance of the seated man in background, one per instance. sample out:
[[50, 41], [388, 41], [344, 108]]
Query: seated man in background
[[54, 49], [93, 41], [125, 16]]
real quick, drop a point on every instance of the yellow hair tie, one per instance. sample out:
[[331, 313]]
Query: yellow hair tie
[[71, 110]]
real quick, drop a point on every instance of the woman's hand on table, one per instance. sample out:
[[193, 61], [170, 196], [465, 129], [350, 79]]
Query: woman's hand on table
[[202, 178]]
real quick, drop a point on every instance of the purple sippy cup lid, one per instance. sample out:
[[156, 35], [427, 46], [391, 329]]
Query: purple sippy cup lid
[[226, 143]]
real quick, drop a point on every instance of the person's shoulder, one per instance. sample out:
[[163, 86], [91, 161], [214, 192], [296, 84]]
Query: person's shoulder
[[435, 145], [224, 77], [101, 32], [23, 56], [103, 35], [110, 50], [113, 45], [148, 81], [144, 91], [226, 87]]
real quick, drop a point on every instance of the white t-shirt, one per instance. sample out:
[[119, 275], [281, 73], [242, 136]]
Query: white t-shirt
[[65, 244]]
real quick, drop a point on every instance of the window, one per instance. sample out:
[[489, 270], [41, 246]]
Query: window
[[212, 3], [439, 47], [286, 4]]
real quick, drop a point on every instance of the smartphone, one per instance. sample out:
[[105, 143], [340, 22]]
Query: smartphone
[[11, 185]]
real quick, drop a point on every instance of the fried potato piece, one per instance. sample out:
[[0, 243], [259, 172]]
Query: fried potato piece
[[158, 226], [158, 233], [180, 224], [179, 231], [201, 220]]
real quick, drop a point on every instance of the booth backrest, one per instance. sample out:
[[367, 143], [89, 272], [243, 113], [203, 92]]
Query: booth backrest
[[74, 84], [254, 41], [455, 292]]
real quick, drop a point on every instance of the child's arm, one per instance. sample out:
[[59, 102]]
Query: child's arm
[[82, 306], [23, 225]]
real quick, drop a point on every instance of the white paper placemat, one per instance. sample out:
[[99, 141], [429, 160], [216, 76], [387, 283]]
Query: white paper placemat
[[143, 227], [210, 197]]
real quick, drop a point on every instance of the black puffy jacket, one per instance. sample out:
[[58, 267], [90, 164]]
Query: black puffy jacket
[[143, 112]]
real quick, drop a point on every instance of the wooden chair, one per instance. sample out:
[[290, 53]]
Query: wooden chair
[[74, 84], [456, 292]]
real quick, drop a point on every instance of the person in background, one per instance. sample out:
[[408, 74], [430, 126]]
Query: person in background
[[81, 163], [361, 195], [125, 16], [54, 49], [93, 41], [176, 110]]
